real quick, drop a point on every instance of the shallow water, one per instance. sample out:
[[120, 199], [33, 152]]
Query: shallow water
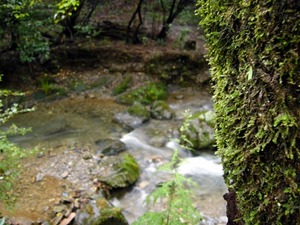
[[82, 121]]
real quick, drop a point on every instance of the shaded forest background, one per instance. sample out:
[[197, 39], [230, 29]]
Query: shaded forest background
[[32, 30]]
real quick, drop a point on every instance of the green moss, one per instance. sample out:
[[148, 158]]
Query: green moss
[[254, 58], [145, 94], [139, 110], [123, 86], [124, 171], [110, 216]]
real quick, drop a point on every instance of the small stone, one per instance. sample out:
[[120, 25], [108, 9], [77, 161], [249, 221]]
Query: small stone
[[39, 177], [76, 194], [179, 97], [40, 155], [77, 203], [143, 184], [65, 174], [87, 156]]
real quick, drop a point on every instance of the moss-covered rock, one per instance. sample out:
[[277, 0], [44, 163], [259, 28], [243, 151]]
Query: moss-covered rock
[[145, 94], [161, 110], [136, 115], [119, 171], [109, 146], [100, 212], [139, 110], [197, 131]]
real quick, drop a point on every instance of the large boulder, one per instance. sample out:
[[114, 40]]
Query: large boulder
[[135, 116], [109, 147], [197, 131], [100, 212], [119, 171]]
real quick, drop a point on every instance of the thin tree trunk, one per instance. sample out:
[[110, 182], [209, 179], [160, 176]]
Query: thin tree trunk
[[135, 38]]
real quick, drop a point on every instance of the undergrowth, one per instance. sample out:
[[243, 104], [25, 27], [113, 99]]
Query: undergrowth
[[10, 154]]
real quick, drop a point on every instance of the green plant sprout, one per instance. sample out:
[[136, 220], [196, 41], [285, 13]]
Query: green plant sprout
[[179, 207], [177, 195]]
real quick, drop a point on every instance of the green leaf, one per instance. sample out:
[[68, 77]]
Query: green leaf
[[250, 73]]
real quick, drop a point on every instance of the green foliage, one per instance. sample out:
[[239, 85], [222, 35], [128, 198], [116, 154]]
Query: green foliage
[[123, 86], [65, 8], [179, 208], [254, 58], [139, 110], [188, 17], [48, 87], [87, 30], [21, 21], [185, 127], [10, 154], [31, 44]]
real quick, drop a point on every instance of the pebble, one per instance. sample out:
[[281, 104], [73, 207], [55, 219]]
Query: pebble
[[87, 156], [179, 97], [40, 155], [65, 174], [143, 184], [39, 177]]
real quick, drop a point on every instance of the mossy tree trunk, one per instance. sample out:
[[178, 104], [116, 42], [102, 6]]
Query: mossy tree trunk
[[254, 57]]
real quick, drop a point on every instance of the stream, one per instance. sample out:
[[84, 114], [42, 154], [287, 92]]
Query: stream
[[81, 120]]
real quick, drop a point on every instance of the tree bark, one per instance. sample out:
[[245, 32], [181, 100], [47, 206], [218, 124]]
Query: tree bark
[[254, 51]]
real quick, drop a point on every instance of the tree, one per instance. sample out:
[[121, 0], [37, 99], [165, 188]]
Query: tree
[[20, 30], [138, 12], [173, 8], [254, 57]]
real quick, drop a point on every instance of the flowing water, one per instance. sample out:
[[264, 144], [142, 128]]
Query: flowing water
[[82, 121]]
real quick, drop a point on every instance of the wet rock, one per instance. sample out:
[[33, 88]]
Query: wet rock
[[139, 110], [197, 132], [109, 147], [100, 212], [119, 171], [127, 121], [160, 110]]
